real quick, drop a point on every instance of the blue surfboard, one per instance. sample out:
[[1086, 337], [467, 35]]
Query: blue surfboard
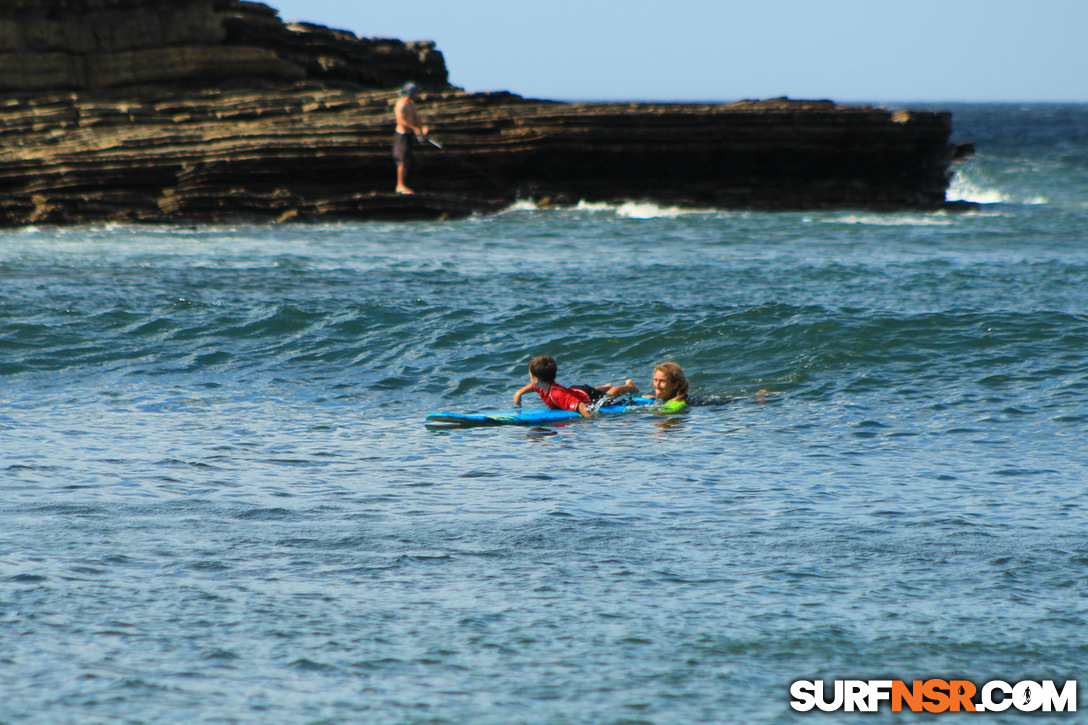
[[532, 416]]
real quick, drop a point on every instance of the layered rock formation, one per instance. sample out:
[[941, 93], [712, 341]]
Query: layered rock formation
[[212, 110], [88, 45]]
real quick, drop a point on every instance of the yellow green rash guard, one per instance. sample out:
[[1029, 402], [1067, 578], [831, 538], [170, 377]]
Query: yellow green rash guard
[[673, 406]]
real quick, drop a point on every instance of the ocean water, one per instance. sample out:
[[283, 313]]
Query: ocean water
[[219, 502]]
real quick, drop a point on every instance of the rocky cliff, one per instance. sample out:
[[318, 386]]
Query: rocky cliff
[[210, 110], [88, 45]]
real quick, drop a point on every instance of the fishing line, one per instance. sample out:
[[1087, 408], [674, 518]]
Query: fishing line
[[471, 166]]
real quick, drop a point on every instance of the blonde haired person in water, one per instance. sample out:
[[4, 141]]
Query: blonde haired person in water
[[671, 387]]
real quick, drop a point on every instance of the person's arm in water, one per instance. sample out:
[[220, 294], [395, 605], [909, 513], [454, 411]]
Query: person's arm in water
[[523, 391]]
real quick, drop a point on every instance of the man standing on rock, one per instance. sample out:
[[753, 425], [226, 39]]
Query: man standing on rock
[[408, 125]]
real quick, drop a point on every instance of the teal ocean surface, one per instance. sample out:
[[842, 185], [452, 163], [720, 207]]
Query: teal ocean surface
[[219, 502]]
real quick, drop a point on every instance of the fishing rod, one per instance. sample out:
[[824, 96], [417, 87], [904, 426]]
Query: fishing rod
[[473, 167]]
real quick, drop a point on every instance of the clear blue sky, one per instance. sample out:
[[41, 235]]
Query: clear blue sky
[[724, 50]]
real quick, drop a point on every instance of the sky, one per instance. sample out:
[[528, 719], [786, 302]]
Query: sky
[[727, 50]]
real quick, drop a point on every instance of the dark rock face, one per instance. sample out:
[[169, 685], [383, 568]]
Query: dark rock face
[[334, 57], [86, 45], [214, 110]]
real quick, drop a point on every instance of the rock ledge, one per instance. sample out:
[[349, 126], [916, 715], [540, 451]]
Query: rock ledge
[[215, 110]]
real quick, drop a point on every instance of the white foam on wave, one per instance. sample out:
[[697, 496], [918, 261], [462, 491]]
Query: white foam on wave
[[523, 205], [963, 189], [628, 210], [596, 206], [640, 209], [887, 220], [647, 210]]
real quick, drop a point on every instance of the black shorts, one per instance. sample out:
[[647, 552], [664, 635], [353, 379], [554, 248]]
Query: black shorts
[[402, 149], [592, 392]]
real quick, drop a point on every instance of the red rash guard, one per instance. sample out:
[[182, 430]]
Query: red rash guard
[[559, 398]]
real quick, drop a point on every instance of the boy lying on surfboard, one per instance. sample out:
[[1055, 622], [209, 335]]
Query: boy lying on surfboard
[[577, 398]]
